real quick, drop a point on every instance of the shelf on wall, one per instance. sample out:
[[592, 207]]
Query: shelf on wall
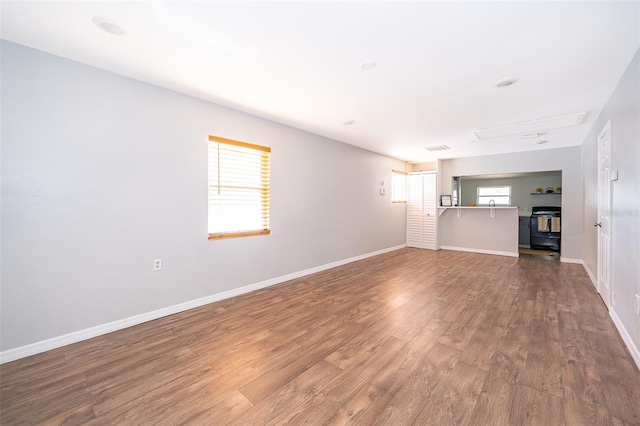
[[546, 193]]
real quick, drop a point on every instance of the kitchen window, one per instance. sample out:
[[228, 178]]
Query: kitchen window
[[500, 195], [239, 184]]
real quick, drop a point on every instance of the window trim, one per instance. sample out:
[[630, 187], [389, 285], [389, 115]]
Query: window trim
[[265, 191], [239, 143], [496, 195], [223, 235]]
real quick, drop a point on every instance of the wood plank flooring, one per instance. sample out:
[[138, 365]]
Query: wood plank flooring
[[408, 337]]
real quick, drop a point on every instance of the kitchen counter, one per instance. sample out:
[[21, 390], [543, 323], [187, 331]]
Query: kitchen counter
[[481, 229], [443, 209]]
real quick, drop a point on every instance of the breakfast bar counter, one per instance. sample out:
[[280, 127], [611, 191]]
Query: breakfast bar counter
[[491, 230]]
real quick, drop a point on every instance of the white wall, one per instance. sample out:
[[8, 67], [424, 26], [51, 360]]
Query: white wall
[[101, 174], [566, 160], [623, 109]]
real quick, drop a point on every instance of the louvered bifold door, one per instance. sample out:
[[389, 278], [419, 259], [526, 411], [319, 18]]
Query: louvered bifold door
[[414, 211], [429, 210], [422, 211]]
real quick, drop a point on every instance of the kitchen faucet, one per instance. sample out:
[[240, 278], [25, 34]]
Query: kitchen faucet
[[492, 205]]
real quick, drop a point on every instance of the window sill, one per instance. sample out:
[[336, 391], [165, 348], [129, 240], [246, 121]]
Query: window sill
[[225, 235]]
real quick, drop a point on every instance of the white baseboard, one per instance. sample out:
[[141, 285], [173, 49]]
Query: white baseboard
[[626, 338], [592, 277], [78, 336], [482, 251], [633, 349], [569, 260]]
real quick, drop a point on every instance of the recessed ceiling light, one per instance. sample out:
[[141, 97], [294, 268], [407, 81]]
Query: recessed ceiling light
[[349, 122], [367, 66], [505, 82], [107, 25]]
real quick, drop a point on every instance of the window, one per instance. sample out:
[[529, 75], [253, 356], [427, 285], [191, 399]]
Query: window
[[501, 195], [398, 187], [238, 189]]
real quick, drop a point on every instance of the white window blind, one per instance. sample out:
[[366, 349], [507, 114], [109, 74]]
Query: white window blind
[[238, 188], [398, 187], [501, 195]]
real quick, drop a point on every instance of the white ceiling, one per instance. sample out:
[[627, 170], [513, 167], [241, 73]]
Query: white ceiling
[[298, 63]]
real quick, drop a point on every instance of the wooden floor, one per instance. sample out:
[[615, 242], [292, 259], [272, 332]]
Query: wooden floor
[[408, 337]]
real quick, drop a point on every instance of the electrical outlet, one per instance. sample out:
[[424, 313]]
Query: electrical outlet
[[157, 264], [637, 304]]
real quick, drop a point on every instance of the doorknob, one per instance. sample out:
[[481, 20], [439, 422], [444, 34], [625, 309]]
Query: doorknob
[[598, 224]]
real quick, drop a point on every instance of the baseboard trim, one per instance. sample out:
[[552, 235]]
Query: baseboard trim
[[592, 277], [569, 260], [633, 349], [481, 251], [78, 336], [626, 338]]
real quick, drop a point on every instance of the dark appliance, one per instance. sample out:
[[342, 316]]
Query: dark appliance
[[524, 231], [545, 228]]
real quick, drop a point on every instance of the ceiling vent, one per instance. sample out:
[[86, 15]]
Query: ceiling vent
[[437, 148], [535, 127], [532, 135]]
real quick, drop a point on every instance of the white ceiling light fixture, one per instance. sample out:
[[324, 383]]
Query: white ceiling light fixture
[[367, 66], [108, 26], [506, 82], [528, 127]]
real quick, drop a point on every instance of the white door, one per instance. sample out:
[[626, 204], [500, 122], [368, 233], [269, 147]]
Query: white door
[[603, 225], [414, 211], [429, 209], [422, 211]]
